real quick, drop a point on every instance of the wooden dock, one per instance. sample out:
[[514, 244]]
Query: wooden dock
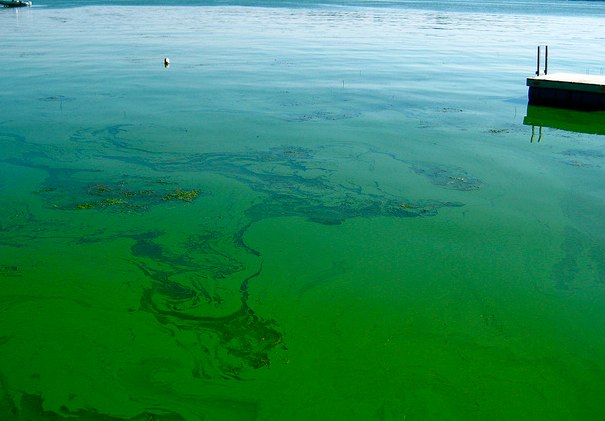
[[567, 90]]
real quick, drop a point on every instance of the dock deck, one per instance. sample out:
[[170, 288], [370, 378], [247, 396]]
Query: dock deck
[[568, 90]]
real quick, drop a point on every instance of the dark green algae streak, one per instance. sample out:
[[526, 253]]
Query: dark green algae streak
[[193, 282]]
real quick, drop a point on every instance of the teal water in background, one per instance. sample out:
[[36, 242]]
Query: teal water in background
[[320, 212]]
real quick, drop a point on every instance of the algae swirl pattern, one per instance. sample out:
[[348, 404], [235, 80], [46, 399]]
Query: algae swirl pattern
[[177, 224]]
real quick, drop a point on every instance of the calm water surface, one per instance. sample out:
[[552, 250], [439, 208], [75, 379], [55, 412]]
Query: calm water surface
[[320, 212]]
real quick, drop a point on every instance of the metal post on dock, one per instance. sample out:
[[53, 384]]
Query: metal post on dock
[[545, 60]]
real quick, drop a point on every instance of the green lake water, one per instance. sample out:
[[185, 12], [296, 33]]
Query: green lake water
[[314, 213]]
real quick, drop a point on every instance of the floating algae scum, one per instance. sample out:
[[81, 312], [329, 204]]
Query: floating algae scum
[[241, 237]]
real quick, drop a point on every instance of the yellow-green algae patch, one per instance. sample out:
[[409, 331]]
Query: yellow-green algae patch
[[134, 195], [184, 195]]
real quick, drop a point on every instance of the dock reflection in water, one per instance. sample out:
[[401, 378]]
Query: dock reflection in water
[[590, 122]]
